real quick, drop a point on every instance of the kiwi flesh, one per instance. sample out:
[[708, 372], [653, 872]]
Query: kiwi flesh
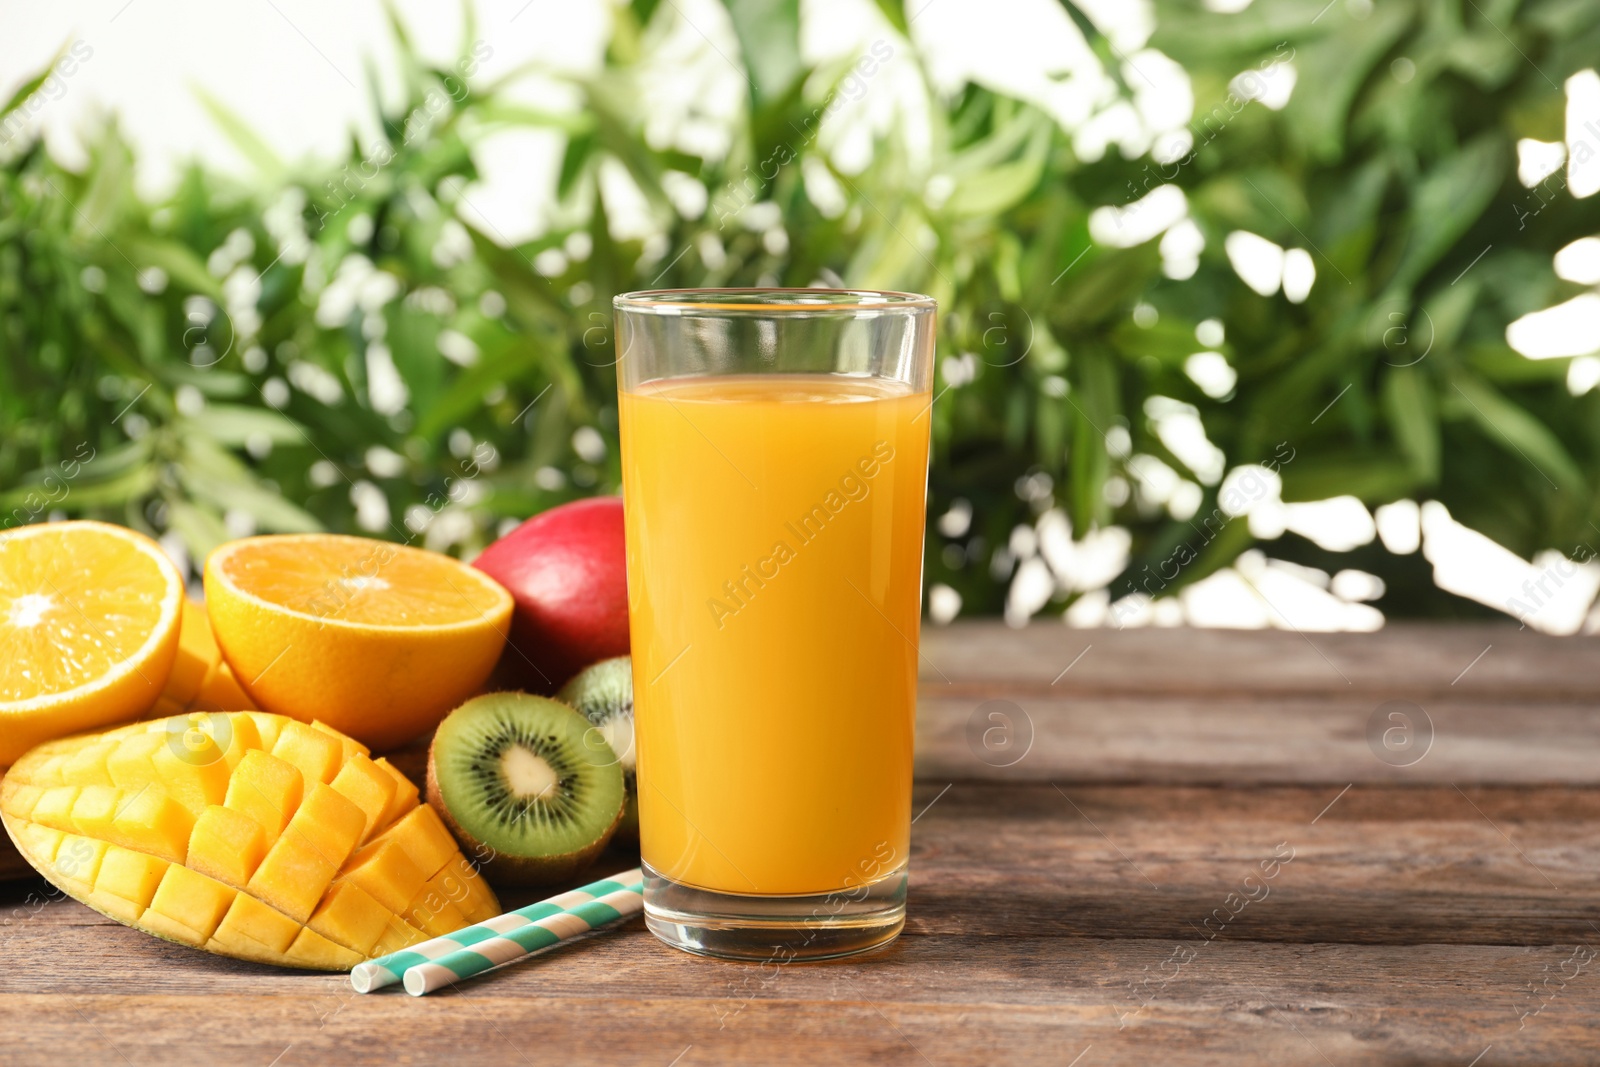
[[603, 693], [526, 785]]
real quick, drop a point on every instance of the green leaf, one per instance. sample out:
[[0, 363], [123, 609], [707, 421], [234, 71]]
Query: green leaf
[[1093, 403], [575, 162], [1519, 432], [1332, 71], [895, 12], [414, 346], [250, 145], [183, 268], [1446, 204], [1100, 287], [106, 195], [235, 425], [517, 114], [996, 191], [644, 10], [26, 90], [514, 362], [271, 511], [1373, 479], [769, 38], [114, 491], [1414, 419]]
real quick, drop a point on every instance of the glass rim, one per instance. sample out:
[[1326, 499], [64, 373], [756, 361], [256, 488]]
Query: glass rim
[[769, 300]]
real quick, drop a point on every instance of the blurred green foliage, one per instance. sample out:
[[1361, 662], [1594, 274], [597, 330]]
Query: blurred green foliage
[[343, 348]]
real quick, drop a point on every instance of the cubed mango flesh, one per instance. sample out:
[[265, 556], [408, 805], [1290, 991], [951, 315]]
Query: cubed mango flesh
[[20, 797], [130, 763], [268, 726], [367, 786], [328, 824], [316, 753], [434, 914], [94, 809], [348, 745], [46, 772], [423, 836], [131, 875], [54, 808], [226, 845], [163, 709], [397, 934], [311, 949], [38, 841], [350, 916], [267, 789], [87, 766], [385, 871], [78, 858], [153, 822], [191, 829], [466, 887], [192, 899], [249, 917], [292, 878], [191, 766], [166, 926], [406, 793]]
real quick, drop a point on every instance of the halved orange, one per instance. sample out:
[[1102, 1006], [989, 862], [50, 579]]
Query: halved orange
[[89, 617], [375, 639]]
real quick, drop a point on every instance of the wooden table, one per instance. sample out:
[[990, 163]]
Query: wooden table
[[1198, 858]]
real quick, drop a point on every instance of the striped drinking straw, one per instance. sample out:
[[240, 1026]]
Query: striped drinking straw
[[607, 907], [390, 969]]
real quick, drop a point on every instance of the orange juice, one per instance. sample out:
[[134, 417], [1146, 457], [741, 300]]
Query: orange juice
[[774, 528]]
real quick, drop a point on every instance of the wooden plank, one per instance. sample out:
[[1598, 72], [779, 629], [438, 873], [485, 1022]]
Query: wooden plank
[[1416, 661], [1329, 1006], [1401, 924], [1248, 739]]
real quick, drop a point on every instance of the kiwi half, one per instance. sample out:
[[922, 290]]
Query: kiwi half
[[526, 785], [603, 693]]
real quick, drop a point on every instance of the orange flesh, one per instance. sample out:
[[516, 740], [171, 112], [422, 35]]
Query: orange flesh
[[74, 604], [336, 578]]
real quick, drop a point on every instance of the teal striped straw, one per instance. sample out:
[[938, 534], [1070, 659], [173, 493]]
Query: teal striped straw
[[526, 940], [389, 970]]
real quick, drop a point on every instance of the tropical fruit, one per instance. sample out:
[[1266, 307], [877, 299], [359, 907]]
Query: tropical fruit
[[200, 679], [527, 784], [378, 640], [566, 569], [89, 626], [246, 834], [603, 693]]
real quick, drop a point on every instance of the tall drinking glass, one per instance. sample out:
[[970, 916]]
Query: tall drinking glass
[[774, 467]]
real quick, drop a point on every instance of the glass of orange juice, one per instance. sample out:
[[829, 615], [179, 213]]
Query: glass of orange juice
[[774, 466]]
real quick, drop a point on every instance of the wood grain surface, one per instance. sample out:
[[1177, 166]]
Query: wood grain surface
[[1197, 857]]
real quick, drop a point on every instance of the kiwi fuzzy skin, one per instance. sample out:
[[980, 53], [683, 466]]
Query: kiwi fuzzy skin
[[502, 869]]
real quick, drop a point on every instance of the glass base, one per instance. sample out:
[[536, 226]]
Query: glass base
[[782, 929]]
